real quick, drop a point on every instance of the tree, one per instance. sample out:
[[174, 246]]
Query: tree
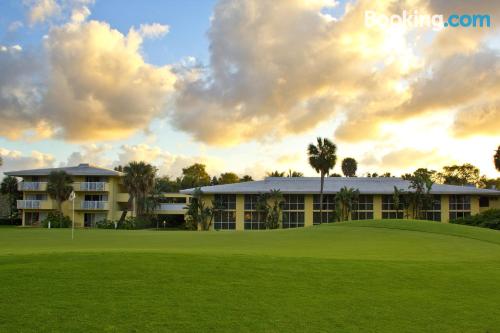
[[419, 197], [397, 198], [275, 173], [139, 180], [228, 178], [246, 178], [496, 159], [422, 172], [59, 187], [214, 181], [9, 189], [345, 198], [118, 168], [195, 176], [349, 167], [271, 206], [322, 158], [335, 175], [198, 214], [293, 174], [460, 175], [166, 185]]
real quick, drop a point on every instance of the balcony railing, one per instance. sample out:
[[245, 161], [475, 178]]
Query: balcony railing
[[35, 204], [32, 186], [92, 186], [172, 206], [94, 205], [29, 204]]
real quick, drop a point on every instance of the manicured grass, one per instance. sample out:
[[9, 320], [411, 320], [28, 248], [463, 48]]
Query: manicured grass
[[369, 276]]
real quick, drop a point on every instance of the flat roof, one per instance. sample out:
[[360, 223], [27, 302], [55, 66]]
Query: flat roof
[[83, 169], [311, 185]]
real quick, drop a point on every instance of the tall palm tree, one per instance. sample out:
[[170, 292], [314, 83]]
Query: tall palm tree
[[9, 188], [322, 158], [346, 198], [139, 181], [496, 158], [59, 187]]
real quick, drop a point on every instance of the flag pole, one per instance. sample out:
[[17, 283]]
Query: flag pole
[[72, 197]]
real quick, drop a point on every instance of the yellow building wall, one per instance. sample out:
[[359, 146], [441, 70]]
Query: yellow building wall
[[445, 208], [377, 207], [308, 210], [240, 212]]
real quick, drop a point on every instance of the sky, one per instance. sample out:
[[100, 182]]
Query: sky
[[245, 86]]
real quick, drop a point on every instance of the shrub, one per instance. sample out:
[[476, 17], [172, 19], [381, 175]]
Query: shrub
[[57, 220], [105, 224], [487, 219]]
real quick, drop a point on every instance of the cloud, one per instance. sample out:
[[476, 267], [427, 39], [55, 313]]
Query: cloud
[[155, 30], [41, 10], [19, 94], [14, 26], [99, 85], [93, 154], [15, 160], [482, 119], [167, 163]]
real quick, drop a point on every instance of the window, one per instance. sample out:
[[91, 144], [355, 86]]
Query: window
[[31, 218], [96, 197], [293, 211], [225, 216], [434, 211], [363, 208], [254, 219], [90, 219], [329, 213], [459, 206], [484, 202], [389, 210]]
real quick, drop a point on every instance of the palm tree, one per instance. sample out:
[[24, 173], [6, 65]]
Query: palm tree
[[59, 187], [293, 174], [246, 178], [349, 167], [9, 188], [345, 200], [322, 158], [271, 206], [199, 215], [496, 158], [397, 199], [275, 173], [139, 181]]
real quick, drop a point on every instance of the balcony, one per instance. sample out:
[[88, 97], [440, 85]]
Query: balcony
[[91, 186], [171, 208], [35, 204], [32, 186], [94, 205]]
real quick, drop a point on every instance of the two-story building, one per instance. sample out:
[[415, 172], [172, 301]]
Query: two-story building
[[301, 206]]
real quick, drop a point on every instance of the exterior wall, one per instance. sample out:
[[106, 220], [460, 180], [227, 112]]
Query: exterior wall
[[240, 212], [308, 210], [112, 189], [445, 208], [377, 207]]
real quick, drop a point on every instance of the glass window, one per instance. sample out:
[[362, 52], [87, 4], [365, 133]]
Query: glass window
[[329, 212], [459, 206], [434, 211], [363, 208], [225, 216], [293, 211], [254, 219], [484, 202]]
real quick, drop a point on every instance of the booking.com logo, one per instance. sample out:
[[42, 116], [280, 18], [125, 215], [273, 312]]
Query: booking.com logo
[[416, 20]]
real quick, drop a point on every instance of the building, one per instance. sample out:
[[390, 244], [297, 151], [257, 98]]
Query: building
[[100, 195], [302, 204]]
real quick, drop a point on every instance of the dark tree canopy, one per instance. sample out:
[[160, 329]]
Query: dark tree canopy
[[195, 176], [349, 167]]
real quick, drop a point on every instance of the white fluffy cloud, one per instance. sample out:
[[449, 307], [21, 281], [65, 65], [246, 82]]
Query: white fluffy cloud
[[155, 30], [15, 160]]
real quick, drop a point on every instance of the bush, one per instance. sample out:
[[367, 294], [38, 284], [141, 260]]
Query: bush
[[487, 219], [57, 220], [8, 221], [105, 224]]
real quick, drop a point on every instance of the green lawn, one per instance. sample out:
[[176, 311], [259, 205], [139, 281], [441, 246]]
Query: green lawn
[[371, 276]]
